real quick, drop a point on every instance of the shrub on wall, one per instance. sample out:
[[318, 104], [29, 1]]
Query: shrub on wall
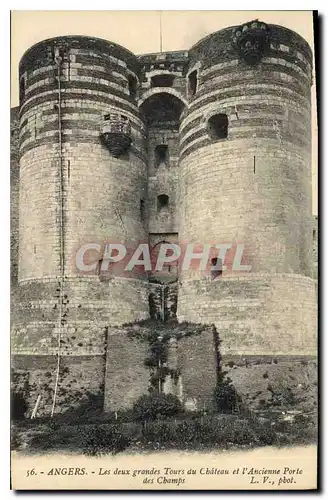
[[156, 405], [226, 398], [157, 433]]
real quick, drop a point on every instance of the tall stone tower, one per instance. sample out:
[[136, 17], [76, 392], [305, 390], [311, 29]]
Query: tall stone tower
[[206, 146], [245, 177], [82, 179]]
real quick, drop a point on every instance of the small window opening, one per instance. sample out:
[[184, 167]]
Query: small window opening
[[192, 83], [132, 82], [162, 202], [218, 126], [161, 154], [162, 81], [22, 89]]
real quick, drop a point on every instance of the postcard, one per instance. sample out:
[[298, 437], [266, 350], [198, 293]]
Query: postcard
[[164, 250]]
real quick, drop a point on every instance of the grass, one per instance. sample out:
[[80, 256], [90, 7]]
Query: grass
[[184, 431]]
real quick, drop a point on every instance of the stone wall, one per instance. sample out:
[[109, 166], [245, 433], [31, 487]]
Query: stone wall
[[14, 194], [90, 306], [255, 314], [127, 377], [262, 379], [79, 376], [163, 180], [72, 190], [198, 365], [254, 186]]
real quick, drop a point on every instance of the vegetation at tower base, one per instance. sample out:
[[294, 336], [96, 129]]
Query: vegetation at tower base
[[182, 431], [226, 398], [156, 406], [158, 421]]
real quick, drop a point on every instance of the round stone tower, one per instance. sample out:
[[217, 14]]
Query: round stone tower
[[245, 179], [82, 182]]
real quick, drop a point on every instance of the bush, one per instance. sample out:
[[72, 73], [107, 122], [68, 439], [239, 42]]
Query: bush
[[88, 409], [185, 432], [265, 434], [100, 439], [226, 398], [48, 438], [211, 431], [154, 406], [216, 431], [157, 433], [18, 406], [283, 397]]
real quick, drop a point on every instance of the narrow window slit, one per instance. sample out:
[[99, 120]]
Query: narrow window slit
[[192, 83], [142, 210], [132, 84]]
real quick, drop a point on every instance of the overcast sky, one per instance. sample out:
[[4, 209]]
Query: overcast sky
[[139, 31]]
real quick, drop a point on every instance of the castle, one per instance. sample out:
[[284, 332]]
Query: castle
[[211, 144]]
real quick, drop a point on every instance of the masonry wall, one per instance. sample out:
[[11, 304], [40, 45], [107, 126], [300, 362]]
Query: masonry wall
[[14, 205], [73, 191], [14, 194], [79, 376], [253, 187], [172, 63], [163, 180], [101, 194], [127, 377], [256, 314], [191, 358], [198, 365], [280, 380]]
